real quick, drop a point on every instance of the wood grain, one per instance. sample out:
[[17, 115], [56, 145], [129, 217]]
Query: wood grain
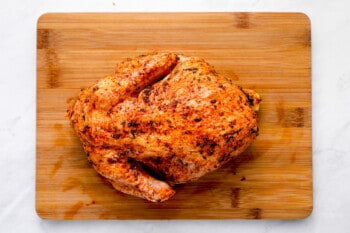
[[269, 52]]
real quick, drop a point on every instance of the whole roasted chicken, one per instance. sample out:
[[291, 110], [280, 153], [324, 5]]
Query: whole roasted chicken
[[160, 120]]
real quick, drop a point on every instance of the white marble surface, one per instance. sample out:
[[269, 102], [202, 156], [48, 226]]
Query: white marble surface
[[331, 115]]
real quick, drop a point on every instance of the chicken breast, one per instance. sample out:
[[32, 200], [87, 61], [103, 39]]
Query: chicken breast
[[163, 119]]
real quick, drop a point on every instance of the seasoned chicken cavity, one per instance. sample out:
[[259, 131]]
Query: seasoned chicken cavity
[[160, 120]]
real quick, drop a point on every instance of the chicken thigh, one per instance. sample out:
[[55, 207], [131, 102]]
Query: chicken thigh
[[160, 120]]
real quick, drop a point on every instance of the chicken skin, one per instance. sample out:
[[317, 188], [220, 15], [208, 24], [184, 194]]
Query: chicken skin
[[162, 119]]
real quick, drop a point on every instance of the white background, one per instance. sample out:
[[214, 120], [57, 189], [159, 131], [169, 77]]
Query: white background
[[330, 21]]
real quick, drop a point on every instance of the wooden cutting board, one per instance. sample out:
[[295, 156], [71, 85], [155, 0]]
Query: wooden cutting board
[[269, 52]]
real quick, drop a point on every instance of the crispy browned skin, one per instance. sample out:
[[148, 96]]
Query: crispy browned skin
[[166, 113]]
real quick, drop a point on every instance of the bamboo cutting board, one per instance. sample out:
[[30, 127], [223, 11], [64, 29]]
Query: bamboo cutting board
[[269, 52]]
